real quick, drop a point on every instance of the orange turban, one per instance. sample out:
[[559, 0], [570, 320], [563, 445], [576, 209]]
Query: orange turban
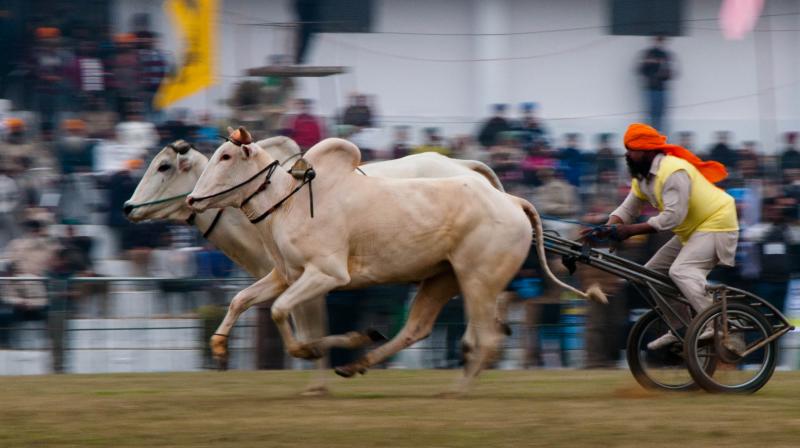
[[641, 137], [14, 123], [47, 33]]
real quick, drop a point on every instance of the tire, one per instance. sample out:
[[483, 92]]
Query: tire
[[645, 329], [768, 354]]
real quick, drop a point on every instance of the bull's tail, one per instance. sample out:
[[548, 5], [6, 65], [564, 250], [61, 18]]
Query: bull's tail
[[484, 170], [593, 293]]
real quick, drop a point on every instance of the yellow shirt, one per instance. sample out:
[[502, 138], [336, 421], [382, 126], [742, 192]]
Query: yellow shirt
[[710, 208]]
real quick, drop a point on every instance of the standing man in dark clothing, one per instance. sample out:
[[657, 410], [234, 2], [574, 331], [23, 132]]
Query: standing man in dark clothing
[[656, 69], [778, 249], [722, 152], [495, 125], [571, 159]]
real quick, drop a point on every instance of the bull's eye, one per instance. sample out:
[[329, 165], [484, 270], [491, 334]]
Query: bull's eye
[[225, 157], [164, 167]]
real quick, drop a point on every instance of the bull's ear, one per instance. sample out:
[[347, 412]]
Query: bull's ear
[[246, 152], [184, 163], [230, 130]]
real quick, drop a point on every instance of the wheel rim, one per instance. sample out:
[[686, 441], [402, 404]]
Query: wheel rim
[[733, 371], [666, 367]]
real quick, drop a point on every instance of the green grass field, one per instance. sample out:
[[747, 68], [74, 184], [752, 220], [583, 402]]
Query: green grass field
[[388, 408]]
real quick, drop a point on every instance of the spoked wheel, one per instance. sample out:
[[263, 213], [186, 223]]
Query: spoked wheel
[[661, 369], [737, 371]]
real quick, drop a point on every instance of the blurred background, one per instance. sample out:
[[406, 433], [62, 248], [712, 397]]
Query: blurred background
[[541, 91]]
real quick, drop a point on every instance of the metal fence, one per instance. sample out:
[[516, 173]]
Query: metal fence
[[124, 324]]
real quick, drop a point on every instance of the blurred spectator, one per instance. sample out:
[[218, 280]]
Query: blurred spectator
[[432, 142], [358, 113], [80, 247], [124, 72], [51, 65], [61, 296], [529, 125], [538, 156], [505, 158], [174, 265], [465, 147], [98, 118], [153, 68], [207, 133], [656, 67], [605, 323], [123, 184], [790, 156], [135, 131], [211, 263], [778, 249], [555, 197], [571, 159], [89, 71], [9, 204], [497, 123], [748, 161], [606, 159], [75, 152], [400, 142], [304, 127], [76, 159], [27, 256], [17, 144], [722, 152]]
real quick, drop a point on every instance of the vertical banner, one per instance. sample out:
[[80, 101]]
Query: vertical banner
[[195, 21]]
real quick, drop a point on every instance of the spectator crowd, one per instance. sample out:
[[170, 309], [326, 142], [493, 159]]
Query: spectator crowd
[[75, 142]]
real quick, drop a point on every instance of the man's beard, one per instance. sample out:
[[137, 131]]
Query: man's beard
[[641, 169]]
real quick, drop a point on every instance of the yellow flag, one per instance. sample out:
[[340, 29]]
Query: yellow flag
[[195, 21]]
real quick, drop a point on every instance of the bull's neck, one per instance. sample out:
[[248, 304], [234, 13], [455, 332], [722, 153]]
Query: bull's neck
[[279, 187]]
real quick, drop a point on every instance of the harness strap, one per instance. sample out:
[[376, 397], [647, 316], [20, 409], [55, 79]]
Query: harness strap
[[190, 220], [308, 176]]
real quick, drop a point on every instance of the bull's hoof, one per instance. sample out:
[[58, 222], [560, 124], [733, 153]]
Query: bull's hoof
[[222, 363], [350, 370], [375, 335], [219, 349], [306, 351]]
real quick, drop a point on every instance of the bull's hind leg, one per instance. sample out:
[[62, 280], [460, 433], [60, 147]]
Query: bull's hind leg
[[485, 336], [431, 297]]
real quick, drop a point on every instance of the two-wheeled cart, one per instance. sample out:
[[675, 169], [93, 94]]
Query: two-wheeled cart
[[732, 346]]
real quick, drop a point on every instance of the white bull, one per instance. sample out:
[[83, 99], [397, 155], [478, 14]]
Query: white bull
[[451, 235], [174, 171]]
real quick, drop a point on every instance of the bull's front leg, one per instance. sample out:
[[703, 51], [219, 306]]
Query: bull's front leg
[[263, 290], [312, 283]]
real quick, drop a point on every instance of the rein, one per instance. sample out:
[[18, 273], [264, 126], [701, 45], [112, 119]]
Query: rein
[[191, 218], [271, 168], [160, 201]]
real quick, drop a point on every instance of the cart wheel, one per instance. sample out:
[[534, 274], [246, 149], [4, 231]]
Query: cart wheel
[[662, 369], [735, 373]]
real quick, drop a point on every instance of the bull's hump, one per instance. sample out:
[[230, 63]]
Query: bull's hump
[[334, 156]]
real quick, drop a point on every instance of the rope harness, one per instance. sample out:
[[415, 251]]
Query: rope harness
[[308, 175]]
